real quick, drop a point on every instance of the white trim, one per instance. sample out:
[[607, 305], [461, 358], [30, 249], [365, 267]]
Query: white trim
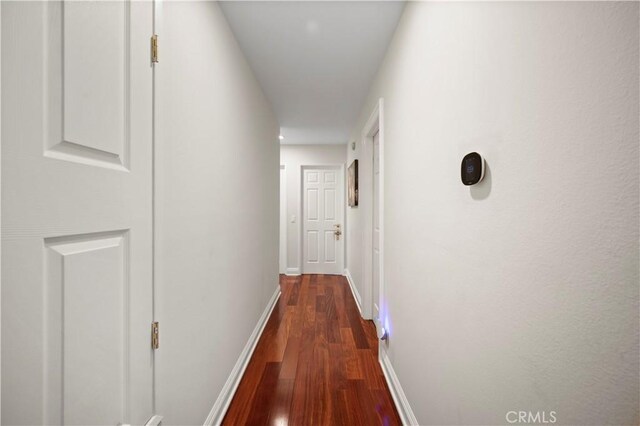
[[156, 80], [216, 415], [375, 124], [342, 171], [399, 398], [354, 290], [293, 272]]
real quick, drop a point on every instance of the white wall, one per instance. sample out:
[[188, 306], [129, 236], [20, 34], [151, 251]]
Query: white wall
[[293, 157], [354, 256], [0, 205], [217, 208], [520, 293]]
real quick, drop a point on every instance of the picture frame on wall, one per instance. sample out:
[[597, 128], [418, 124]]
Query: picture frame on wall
[[352, 184]]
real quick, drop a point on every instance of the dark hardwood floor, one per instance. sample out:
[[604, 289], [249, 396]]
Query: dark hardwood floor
[[316, 362]]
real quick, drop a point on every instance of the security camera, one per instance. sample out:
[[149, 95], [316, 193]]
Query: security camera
[[472, 169]]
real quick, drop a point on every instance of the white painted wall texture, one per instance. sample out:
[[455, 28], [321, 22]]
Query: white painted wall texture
[[520, 293], [293, 157], [217, 208]]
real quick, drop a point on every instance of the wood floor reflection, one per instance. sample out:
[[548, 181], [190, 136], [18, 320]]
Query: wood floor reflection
[[316, 362]]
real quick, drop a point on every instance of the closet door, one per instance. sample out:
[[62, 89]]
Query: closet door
[[76, 212]]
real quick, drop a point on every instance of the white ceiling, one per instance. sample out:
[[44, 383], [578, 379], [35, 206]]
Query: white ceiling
[[315, 60]]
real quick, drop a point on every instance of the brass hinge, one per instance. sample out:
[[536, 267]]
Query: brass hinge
[[154, 48], [155, 335]]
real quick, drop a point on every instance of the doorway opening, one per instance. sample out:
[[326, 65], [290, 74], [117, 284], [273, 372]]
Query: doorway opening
[[373, 143], [283, 220]]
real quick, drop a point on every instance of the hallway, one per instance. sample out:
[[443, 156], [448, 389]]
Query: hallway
[[316, 362], [319, 212]]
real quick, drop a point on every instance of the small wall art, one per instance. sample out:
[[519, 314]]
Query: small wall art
[[352, 181]]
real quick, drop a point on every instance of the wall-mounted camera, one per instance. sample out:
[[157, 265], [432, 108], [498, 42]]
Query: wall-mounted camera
[[472, 168]]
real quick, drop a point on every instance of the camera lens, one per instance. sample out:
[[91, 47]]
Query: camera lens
[[471, 168]]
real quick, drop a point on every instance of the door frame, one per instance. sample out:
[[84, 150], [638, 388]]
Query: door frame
[[341, 172], [282, 247], [157, 23], [375, 124]]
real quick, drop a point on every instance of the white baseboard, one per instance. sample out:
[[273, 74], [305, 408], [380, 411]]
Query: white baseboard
[[154, 421], [293, 271], [400, 399], [354, 290], [216, 415]]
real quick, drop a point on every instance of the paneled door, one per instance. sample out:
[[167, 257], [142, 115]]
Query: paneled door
[[76, 213], [323, 211]]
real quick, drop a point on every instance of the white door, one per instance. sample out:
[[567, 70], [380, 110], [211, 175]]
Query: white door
[[323, 207], [76, 213], [376, 227], [283, 220]]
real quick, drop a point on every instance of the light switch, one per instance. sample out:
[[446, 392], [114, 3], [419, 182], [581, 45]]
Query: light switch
[[293, 218]]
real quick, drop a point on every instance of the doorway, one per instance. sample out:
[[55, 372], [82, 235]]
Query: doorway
[[375, 229], [322, 219], [373, 212], [283, 220]]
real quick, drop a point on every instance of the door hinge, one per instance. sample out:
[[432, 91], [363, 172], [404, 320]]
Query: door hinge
[[154, 48], [155, 335]]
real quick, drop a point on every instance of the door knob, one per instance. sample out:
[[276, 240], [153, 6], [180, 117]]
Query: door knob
[[337, 232]]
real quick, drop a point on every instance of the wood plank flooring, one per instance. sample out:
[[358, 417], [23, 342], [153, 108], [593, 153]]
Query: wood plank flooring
[[316, 362]]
